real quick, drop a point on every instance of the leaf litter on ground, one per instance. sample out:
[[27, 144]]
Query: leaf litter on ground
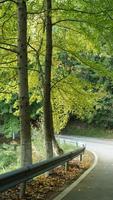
[[47, 187]]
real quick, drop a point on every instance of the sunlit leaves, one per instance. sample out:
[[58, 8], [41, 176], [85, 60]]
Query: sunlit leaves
[[72, 96]]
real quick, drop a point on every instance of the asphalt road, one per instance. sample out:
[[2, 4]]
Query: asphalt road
[[98, 185]]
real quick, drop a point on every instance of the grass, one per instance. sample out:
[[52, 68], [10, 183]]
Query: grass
[[88, 131], [39, 147], [67, 147], [10, 158]]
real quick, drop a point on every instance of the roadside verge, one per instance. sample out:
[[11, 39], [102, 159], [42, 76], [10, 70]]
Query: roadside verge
[[74, 184]]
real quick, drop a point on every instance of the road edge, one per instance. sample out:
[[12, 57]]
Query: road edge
[[73, 185]]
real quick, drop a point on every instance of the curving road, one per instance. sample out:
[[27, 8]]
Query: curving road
[[98, 185]]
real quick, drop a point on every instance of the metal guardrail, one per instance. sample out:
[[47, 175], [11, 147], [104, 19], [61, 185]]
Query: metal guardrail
[[11, 179], [71, 140]]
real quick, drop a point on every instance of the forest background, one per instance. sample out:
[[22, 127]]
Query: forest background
[[56, 61]]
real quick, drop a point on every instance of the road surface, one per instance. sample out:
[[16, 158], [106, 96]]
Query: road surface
[[98, 185]]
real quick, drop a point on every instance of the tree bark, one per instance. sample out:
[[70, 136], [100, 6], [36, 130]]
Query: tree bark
[[25, 132], [56, 148], [47, 83]]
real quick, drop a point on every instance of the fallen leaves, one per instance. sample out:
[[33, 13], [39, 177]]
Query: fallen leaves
[[46, 187]]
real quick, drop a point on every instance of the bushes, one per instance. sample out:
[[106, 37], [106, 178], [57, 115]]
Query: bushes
[[9, 159]]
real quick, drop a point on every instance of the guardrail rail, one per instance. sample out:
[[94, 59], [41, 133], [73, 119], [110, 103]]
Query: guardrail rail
[[13, 178]]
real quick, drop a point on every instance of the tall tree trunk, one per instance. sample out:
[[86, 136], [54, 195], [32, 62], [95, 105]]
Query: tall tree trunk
[[47, 84], [26, 149], [56, 148]]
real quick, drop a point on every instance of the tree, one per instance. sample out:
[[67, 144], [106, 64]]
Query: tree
[[25, 132], [26, 155], [74, 26], [47, 83], [20, 50]]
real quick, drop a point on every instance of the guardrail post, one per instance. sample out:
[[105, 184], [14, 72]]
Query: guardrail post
[[80, 157], [64, 141], [84, 146], [22, 190], [76, 144], [66, 166]]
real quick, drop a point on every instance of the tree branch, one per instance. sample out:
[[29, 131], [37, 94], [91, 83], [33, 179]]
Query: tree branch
[[7, 44], [5, 63], [80, 11], [69, 20], [4, 1], [9, 49], [63, 78], [6, 22], [5, 13], [37, 12]]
